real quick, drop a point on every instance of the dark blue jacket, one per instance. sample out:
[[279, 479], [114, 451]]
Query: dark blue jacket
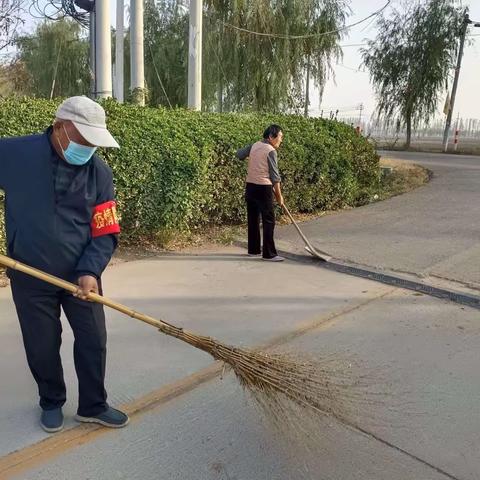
[[46, 230]]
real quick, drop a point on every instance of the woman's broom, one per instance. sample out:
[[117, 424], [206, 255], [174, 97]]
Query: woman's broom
[[274, 380], [308, 246]]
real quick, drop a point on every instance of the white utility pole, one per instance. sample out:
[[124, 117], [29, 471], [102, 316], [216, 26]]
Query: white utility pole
[[195, 56], [137, 75], [103, 43], [119, 36], [93, 73], [463, 32], [360, 115]]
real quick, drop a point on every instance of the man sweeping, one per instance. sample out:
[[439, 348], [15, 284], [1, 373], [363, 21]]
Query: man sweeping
[[61, 218], [263, 181]]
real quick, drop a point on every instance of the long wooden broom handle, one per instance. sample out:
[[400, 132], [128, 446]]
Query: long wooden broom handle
[[305, 239], [70, 287]]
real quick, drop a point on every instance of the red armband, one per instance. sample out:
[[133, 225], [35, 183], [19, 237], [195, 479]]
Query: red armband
[[105, 219]]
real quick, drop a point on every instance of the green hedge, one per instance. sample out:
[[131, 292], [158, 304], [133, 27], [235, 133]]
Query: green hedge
[[177, 169]]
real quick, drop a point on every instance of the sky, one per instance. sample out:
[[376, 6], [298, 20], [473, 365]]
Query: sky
[[351, 86]]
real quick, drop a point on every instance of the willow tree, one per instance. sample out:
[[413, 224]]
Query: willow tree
[[243, 70], [56, 58], [262, 49], [322, 47], [410, 60], [10, 18], [166, 43]]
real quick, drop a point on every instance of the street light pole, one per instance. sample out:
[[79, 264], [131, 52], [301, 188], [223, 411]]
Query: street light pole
[[448, 124]]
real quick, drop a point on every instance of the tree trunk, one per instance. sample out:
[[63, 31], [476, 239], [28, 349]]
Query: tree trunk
[[220, 95], [409, 131], [220, 73], [54, 79], [307, 88]]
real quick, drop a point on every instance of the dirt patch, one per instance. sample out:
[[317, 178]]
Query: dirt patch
[[404, 177], [200, 240]]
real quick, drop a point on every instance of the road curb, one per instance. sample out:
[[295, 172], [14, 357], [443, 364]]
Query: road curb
[[397, 281]]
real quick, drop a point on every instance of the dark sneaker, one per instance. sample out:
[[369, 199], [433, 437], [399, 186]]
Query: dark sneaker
[[111, 417], [52, 420]]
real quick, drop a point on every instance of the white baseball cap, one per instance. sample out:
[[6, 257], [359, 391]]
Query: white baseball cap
[[89, 119]]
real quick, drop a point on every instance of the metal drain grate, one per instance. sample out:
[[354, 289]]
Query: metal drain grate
[[456, 297], [461, 298]]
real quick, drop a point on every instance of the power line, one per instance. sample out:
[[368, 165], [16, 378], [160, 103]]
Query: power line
[[344, 108], [311, 35], [354, 45], [350, 68], [59, 9]]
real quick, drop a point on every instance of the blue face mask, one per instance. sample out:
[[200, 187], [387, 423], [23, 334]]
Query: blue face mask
[[77, 154]]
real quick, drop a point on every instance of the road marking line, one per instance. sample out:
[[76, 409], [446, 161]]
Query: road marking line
[[27, 458]]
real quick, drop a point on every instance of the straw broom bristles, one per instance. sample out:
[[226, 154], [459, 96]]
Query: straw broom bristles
[[294, 391], [277, 379]]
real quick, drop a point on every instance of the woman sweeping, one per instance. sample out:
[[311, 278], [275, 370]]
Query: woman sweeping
[[263, 180]]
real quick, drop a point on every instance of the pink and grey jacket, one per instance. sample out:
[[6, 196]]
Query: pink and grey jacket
[[262, 163]]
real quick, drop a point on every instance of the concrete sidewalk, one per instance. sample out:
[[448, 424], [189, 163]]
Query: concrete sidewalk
[[227, 295], [421, 352]]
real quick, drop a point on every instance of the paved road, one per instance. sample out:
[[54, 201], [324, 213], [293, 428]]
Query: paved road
[[432, 231], [421, 353]]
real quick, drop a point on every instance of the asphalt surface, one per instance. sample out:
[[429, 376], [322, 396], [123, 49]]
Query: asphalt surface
[[432, 231]]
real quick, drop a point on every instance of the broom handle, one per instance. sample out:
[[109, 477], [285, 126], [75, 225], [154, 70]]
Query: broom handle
[[305, 239], [94, 297]]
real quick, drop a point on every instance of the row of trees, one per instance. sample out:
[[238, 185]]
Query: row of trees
[[241, 70], [467, 127], [409, 61]]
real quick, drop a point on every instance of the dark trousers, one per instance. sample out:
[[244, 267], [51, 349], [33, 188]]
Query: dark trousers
[[38, 310], [260, 204]]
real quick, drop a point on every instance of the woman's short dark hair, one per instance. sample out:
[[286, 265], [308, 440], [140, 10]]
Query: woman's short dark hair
[[272, 131]]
